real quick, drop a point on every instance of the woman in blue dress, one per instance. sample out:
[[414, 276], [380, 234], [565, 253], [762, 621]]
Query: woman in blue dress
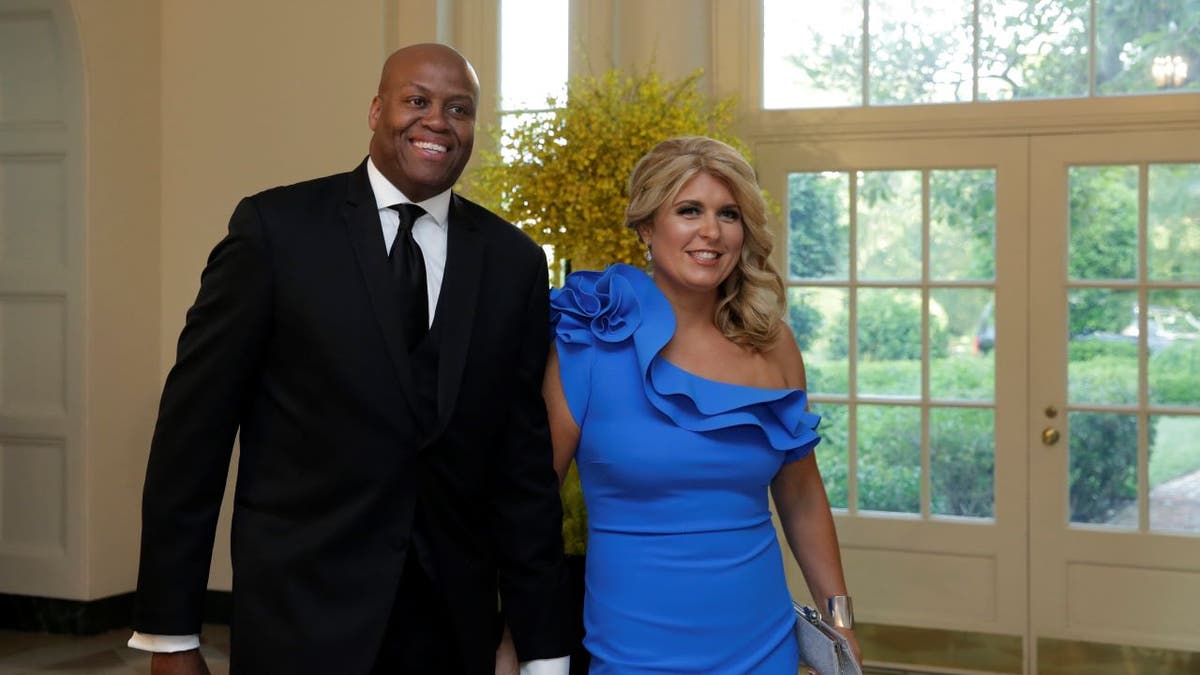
[[681, 397]]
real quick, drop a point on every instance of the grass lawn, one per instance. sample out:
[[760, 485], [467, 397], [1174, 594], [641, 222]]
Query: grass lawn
[[1176, 450]]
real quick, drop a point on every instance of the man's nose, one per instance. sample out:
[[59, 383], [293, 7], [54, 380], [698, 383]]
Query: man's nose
[[435, 118]]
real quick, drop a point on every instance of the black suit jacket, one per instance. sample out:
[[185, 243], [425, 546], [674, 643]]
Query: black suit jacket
[[294, 340]]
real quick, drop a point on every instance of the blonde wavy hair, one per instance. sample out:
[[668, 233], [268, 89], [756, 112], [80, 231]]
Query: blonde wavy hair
[[751, 302]]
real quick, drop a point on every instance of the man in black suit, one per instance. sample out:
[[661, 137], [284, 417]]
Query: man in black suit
[[395, 469]]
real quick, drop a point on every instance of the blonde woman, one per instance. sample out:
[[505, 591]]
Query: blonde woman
[[680, 395]]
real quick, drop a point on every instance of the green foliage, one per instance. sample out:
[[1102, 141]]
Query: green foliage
[[1175, 374], [1102, 474], [889, 458], [832, 455], [889, 328], [1088, 350], [818, 225], [562, 176], [806, 322], [1040, 51], [574, 528], [1103, 466], [1175, 452], [962, 462]]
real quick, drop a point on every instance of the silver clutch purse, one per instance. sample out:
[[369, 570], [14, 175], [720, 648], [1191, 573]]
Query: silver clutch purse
[[822, 648]]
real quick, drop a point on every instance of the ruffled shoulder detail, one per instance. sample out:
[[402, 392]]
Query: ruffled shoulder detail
[[622, 304]]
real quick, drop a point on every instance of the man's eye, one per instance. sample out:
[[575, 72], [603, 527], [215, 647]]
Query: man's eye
[[417, 101]]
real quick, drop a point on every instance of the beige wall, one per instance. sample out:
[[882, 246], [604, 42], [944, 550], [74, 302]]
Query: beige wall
[[120, 48], [189, 106]]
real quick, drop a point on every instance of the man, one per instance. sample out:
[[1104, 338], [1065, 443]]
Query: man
[[395, 468]]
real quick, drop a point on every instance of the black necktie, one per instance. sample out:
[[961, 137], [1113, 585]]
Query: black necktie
[[408, 268]]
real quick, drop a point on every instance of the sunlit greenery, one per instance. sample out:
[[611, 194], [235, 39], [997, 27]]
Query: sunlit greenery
[[923, 51]]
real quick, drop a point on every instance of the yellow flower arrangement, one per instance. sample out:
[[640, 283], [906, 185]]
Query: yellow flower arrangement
[[561, 176]]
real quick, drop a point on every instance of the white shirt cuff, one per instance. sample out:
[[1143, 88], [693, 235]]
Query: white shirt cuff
[[559, 666], [164, 643]]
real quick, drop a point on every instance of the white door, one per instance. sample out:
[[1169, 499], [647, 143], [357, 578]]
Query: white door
[[1114, 405], [905, 260]]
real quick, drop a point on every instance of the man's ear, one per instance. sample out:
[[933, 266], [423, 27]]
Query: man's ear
[[374, 112]]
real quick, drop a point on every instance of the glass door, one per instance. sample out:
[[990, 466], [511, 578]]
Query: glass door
[[1114, 405], [905, 263]]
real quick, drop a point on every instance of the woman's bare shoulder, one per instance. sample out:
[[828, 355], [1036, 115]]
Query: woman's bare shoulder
[[785, 355]]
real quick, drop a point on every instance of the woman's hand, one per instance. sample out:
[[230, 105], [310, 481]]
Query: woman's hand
[[848, 633]]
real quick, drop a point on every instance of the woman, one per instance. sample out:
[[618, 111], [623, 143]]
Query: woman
[[681, 397]]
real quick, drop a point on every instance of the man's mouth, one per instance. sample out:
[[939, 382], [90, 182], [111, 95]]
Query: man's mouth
[[431, 147]]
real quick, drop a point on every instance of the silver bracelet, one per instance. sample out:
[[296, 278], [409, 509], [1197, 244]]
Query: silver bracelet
[[841, 611]]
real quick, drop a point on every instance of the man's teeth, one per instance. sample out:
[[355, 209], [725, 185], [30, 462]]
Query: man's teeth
[[432, 147]]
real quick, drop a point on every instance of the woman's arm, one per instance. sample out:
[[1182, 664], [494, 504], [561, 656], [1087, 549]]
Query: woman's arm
[[564, 431], [803, 510], [803, 506]]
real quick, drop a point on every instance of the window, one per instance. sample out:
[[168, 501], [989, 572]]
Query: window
[[533, 59], [891, 279], [881, 52]]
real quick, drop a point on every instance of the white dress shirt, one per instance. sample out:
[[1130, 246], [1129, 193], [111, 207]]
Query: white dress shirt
[[430, 231]]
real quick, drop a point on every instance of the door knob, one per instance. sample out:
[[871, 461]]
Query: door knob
[[1049, 435]]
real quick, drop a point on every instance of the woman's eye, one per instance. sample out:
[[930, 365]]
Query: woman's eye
[[730, 214], [688, 210]]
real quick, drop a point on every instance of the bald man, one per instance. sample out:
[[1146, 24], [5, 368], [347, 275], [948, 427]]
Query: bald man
[[382, 364]]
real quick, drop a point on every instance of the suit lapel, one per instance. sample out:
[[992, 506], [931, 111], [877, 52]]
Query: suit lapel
[[456, 306], [366, 235]]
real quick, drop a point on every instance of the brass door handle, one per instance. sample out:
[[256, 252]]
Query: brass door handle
[[1050, 436]]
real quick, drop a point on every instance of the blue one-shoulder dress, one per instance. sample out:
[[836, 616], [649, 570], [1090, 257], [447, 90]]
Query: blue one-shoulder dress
[[684, 571]]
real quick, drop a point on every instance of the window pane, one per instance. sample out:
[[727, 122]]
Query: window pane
[[961, 337], [1146, 46], [962, 225], [962, 462], [818, 225], [1173, 219], [1103, 213], [1102, 354], [1033, 49], [889, 225], [832, 452], [533, 53], [1173, 336], [889, 458], [1103, 469], [1174, 473], [818, 320], [812, 54], [920, 51], [889, 342]]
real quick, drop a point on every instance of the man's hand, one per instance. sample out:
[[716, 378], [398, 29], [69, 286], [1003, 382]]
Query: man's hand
[[506, 656], [178, 663]]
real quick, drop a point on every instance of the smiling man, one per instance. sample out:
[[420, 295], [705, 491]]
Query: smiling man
[[378, 342]]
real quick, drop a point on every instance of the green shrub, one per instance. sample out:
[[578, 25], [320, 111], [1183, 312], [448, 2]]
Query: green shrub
[[1175, 374], [889, 329], [962, 460], [1088, 349]]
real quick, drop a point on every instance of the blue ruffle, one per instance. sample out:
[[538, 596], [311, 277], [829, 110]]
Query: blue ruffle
[[622, 303]]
